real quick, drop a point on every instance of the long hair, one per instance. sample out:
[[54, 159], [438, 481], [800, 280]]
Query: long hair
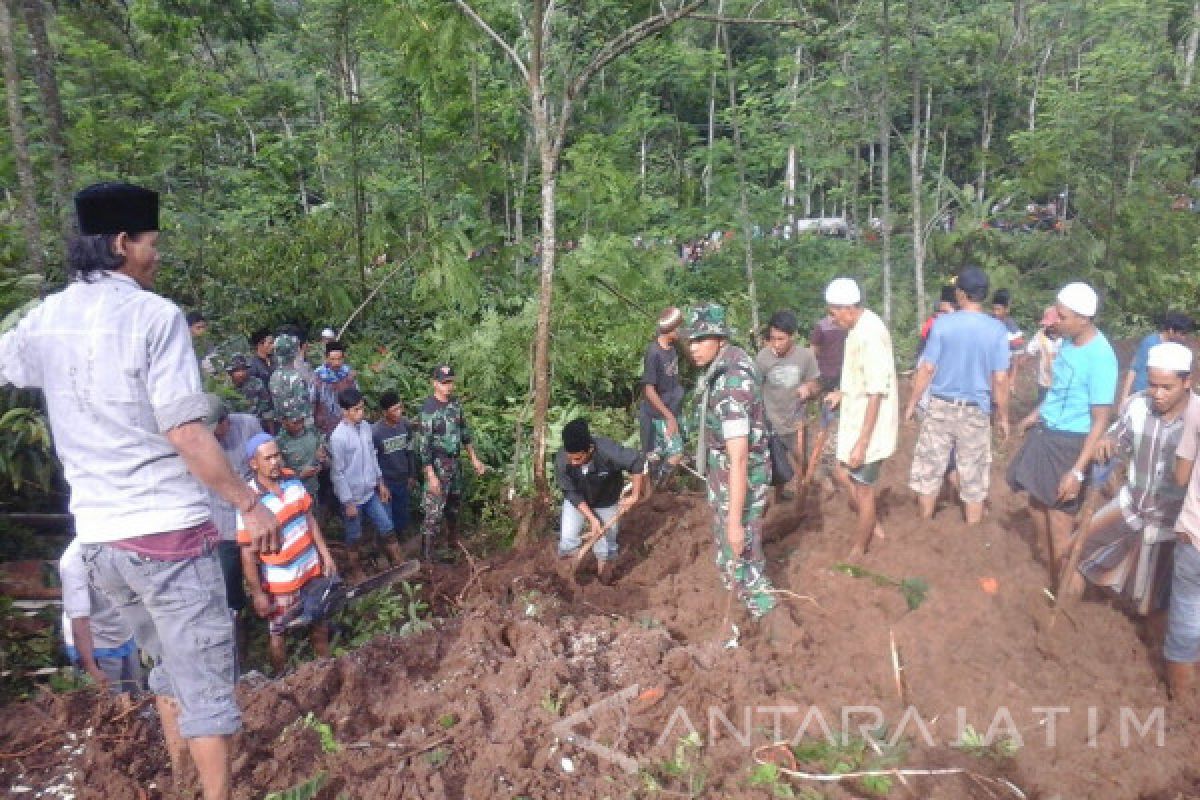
[[90, 254]]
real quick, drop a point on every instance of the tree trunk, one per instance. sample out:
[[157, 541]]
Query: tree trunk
[[985, 146], [916, 168], [16, 126], [885, 154], [743, 199], [712, 115], [1193, 42], [47, 82]]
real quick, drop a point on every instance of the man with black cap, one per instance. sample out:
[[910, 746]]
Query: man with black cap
[[138, 467], [965, 365], [590, 471], [444, 435]]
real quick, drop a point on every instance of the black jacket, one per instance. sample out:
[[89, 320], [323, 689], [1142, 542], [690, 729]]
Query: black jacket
[[600, 487]]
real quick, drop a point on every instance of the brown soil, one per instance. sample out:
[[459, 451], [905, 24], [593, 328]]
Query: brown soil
[[468, 710]]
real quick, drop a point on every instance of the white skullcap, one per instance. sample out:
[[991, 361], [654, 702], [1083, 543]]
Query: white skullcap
[[328, 334], [1080, 298], [669, 320], [843, 292], [1170, 356]]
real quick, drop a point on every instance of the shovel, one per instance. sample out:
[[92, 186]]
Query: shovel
[[591, 540], [1081, 534]]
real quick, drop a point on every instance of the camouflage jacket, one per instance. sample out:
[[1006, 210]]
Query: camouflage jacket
[[291, 394], [735, 408], [257, 397], [301, 452], [444, 430]]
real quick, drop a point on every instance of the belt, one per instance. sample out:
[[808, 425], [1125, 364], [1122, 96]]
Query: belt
[[959, 403]]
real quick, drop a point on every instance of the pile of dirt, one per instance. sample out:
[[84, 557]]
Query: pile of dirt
[[494, 702]]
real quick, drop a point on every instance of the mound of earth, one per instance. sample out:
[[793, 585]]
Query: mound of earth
[[536, 685]]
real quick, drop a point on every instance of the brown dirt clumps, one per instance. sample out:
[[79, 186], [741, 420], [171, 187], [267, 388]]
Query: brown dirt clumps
[[475, 708]]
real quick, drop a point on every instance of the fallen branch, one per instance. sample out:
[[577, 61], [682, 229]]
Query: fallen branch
[[794, 596], [872, 773], [397, 746], [33, 748], [476, 571]]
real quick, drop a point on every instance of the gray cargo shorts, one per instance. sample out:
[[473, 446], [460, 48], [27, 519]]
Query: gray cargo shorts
[[186, 628]]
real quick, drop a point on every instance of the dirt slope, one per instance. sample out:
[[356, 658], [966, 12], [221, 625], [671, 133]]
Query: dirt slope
[[525, 648]]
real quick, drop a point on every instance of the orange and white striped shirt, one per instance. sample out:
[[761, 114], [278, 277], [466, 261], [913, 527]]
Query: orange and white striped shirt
[[297, 560]]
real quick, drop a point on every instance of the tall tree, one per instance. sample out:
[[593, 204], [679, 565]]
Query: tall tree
[[553, 87], [16, 127], [45, 75]]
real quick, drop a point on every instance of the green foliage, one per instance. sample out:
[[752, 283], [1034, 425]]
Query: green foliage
[[385, 611], [682, 773], [853, 753], [306, 790], [914, 590], [977, 744], [27, 645], [26, 458], [552, 702], [324, 731]]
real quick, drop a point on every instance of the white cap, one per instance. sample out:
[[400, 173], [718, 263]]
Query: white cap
[[843, 292], [1080, 298], [328, 334], [1170, 356]]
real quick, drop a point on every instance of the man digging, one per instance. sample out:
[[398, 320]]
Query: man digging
[[590, 471]]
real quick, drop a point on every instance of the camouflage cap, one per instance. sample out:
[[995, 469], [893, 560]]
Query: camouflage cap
[[294, 408], [237, 361], [705, 319], [286, 346]]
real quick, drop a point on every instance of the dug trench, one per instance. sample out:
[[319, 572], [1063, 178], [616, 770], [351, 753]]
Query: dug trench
[[493, 702]]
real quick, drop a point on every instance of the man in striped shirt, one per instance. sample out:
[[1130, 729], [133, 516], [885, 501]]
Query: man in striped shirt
[[276, 580]]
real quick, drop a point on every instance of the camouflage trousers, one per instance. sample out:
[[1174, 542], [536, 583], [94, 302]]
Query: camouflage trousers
[[958, 435], [443, 504], [742, 573]]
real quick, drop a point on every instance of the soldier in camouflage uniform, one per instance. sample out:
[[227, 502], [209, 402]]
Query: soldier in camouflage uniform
[[254, 392], [304, 449], [288, 387], [444, 435], [732, 453]]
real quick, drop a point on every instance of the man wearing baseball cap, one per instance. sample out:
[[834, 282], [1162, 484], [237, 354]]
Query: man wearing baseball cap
[[108, 350], [1065, 429], [1128, 543], [965, 365], [869, 404], [444, 435], [732, 454]]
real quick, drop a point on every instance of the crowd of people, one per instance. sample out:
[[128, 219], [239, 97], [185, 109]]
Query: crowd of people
[[187, 509]]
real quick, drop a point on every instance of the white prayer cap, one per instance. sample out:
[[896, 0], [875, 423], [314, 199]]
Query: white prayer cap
[[669, 320], [328, 334], [1080, 298], [843, 292], [1170, 356]]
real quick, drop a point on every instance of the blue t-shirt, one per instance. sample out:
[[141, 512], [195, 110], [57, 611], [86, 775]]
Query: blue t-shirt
[[966, 347], [1141, 372], [1083, 377]]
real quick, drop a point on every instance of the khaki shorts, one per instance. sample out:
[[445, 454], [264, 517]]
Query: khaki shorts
[[963, 431], [186, 627]]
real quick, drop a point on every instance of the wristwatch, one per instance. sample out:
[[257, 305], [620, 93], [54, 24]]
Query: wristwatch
[[1077, 474]]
